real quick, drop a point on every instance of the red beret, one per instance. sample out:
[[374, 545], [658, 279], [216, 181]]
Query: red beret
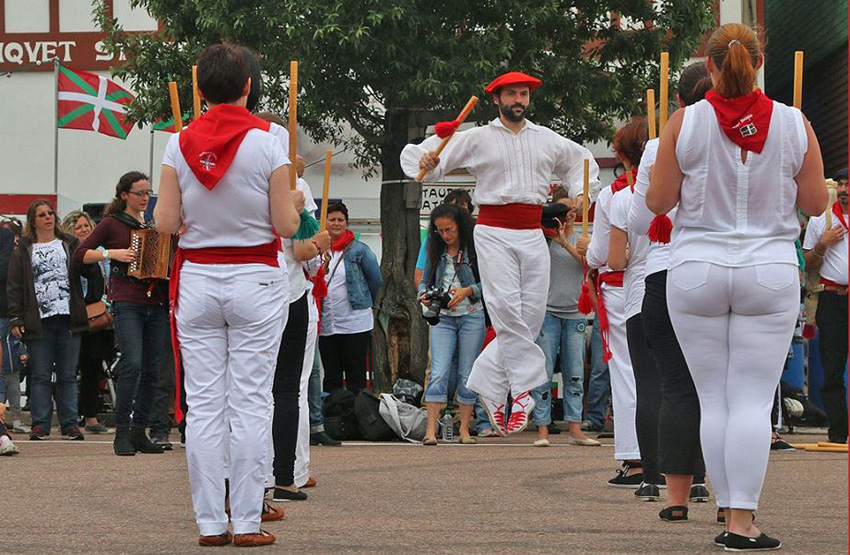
[[513, 78]]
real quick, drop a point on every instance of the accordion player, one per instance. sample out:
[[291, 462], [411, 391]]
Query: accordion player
[[154, 254]]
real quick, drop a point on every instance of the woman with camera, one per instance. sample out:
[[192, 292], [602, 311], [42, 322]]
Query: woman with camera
[[451, 292]]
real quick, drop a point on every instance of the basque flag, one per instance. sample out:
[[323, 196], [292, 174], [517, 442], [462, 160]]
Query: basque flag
[[92, 103]]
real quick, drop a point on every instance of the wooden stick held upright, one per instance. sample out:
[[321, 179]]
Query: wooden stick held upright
[[196, 96], [585, 202], [662, 92], [630, 179], [323, 219], [650, 112], [798, 79], [473, 100], [175, 106], [293, 119]]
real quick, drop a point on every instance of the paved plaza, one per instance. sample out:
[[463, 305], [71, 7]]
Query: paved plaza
[[501, 496]]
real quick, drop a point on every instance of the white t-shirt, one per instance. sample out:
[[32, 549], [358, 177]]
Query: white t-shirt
[[509, 167], [732, 213], [311, 267], [640, 216], [50, 273], [834, 267], [633, 278], [337, 314], [236, 212]]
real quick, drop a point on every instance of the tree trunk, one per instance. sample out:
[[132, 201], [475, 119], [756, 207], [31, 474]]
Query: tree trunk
[[401, 335]]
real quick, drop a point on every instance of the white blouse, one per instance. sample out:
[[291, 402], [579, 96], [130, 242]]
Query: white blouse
[[633, 278], [733, 213], [509, 167]]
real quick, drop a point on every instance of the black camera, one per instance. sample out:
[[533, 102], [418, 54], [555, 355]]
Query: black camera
[[439, 300]]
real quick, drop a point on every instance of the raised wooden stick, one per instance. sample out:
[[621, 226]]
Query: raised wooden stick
[[473, 100], [831, 196], [323, 220], [585, 202], [650, 112], [798, 79], [175, 106], [196, 97], [662, 92], [293, 118], [630, 179]]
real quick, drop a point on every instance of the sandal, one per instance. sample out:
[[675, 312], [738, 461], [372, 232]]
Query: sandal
[[254, 539], [271, 513], [215, 541], [429, 441]]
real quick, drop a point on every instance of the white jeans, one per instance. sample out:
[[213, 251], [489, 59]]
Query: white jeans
[[735, 326], [229, 323], [302, 446], [514, 267], [623, 392]]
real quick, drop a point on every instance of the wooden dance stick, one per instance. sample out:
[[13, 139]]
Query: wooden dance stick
[[323, 220], [293, 119], [175, 106], [196, 97], [630, 179], [817, 449], [798, 79], [473, 100], [662, 92], [585, 202], [650, 112], [827, 444]]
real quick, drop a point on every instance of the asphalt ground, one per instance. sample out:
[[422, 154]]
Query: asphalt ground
[[500, 496]]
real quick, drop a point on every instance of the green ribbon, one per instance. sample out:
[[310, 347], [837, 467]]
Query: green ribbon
[[309, 227]]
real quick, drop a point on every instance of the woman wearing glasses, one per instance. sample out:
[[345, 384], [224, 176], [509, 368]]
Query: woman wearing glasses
[[140, 308], [47, 311]]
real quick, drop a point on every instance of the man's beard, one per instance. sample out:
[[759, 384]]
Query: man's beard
[[508, 112], [842, 199]]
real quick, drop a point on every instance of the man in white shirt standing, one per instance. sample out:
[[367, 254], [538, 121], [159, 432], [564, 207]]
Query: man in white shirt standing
[[513, 161], [826, 250]]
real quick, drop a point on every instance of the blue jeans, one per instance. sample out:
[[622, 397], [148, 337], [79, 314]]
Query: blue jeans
[[141, 331], [599, 386], [56, 351], [564, 336], [454, 334], [314, 395]]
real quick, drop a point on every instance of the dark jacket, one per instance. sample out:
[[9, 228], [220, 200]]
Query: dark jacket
[[7, 245], [20, 289]]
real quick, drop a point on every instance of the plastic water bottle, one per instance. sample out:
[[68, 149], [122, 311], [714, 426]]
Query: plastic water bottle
[[448, 426]]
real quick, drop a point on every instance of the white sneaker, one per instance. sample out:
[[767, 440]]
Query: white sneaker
[[7, 447], [520, 412], [496, 413]]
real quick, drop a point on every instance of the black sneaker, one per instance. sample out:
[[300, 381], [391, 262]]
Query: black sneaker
[[781, 445], [699, 494], [720, 539], [623, 481], [73, 434], [286, 495], [647, 492], [38, 434], [674, 513], [734, 542]]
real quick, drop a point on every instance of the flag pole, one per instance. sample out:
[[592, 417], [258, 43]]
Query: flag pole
[[56, 127], [150, 165]]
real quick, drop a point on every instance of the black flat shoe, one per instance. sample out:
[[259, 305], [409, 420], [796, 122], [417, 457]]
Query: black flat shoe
[[322, 438], [720, 539], [674, 513], [286, 495], [735, 542]]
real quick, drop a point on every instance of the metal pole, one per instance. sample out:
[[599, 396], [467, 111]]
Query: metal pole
[[150, 165], [56, 127]]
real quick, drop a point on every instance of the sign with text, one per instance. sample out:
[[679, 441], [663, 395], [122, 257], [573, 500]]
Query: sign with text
[[433, 195], [84, 51]]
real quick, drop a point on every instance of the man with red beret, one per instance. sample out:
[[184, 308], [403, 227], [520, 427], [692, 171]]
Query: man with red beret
[[513, 161]]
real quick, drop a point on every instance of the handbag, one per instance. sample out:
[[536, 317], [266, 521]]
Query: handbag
[[99, 316]]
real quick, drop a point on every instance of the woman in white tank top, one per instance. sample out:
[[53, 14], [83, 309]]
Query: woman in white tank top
[[739, 166]]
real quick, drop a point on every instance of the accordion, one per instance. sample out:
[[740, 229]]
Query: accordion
[[154, 256]]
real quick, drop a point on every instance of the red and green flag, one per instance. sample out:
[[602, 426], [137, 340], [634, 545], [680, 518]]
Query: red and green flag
[[92, 103], [167, 125]]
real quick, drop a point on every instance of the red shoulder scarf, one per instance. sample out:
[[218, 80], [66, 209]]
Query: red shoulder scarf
[[744, 119], [623, 181], [209, 143], [836, 210], [320, 288]]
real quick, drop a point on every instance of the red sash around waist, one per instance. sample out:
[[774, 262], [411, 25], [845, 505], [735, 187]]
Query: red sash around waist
[[511, 216], [830, 283], [259, 254], [612, 279]]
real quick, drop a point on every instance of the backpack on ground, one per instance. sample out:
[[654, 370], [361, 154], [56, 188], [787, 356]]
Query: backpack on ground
[[340, 421], [369, 421], [407, 421]]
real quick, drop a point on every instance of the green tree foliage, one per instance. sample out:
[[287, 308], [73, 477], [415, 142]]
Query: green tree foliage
[[388, 68]]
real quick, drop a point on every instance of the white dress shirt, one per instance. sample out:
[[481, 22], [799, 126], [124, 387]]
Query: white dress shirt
[[337, 314]]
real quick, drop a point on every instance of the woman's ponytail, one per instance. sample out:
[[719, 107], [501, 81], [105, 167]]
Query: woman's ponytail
[[735, 51]]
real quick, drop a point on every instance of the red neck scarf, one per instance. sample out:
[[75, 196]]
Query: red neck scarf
[[744, 119], [623, 181], [836, 209], [342, 241], [210, 143]]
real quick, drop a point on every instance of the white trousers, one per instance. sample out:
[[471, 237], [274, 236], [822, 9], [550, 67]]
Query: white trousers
[[735, 326], [229, 324], [302, 446], [514, 267], [623, 392]]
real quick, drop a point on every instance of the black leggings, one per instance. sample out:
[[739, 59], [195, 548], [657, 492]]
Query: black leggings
[[648, 391], [345, 354], [287, 382], [678, 414], [831, 318]]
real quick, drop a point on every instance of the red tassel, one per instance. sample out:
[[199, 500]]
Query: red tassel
[[808, 331], [660, 229], [320, 288], [445, 128], [489, 335], [585, 300]]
